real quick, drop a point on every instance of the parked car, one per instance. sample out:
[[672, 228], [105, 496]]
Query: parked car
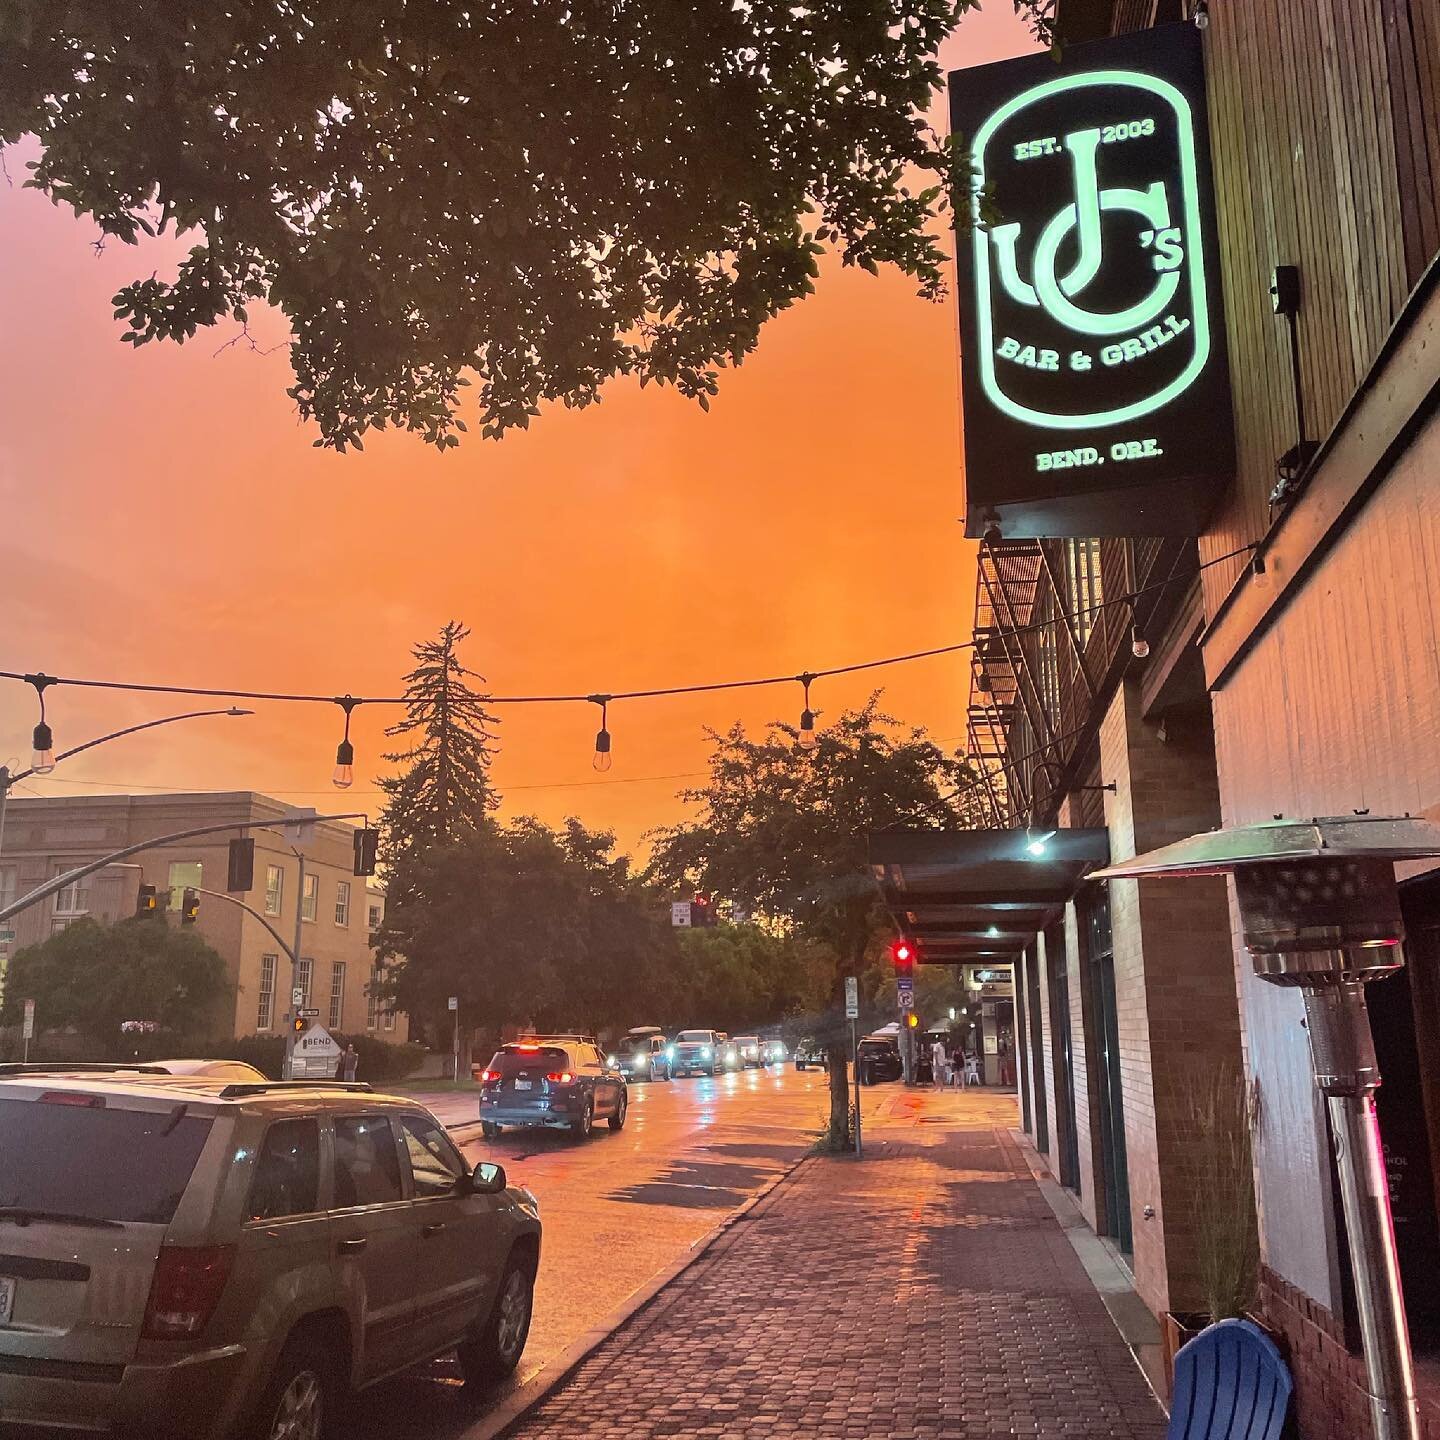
[[701, 1051], [810, 1054], [204, 1259], [748, 1051], [877, 1058], [642, 1055], [558, 1082], [236, 1070]]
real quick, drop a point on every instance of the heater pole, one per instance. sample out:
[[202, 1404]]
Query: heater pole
[[1343, 1052]]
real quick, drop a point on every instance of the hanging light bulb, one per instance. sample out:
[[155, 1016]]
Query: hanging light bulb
[[343, 776], [42, 762], [807, 717], [1139, 645], [602, 760]]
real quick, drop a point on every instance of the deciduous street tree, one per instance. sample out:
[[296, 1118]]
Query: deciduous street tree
[[92, 977], [782, 831], [546, 195]]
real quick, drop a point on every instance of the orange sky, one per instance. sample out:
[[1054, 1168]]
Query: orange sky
[[167, 520]]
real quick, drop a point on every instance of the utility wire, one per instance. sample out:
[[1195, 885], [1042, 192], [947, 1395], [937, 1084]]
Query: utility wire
[[598, 697]]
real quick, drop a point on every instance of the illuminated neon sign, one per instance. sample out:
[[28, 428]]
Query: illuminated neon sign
[[1096, 390]]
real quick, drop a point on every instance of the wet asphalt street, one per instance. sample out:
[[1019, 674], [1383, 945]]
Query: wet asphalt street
[[617, 1210]]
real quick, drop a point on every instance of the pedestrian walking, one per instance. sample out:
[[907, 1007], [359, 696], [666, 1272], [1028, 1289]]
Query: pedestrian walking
[[957, 1065], [939, 1064], [349, 1064]]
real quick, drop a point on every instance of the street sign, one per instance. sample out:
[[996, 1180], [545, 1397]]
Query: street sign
[[905, 985], [297, 997], [27, 1029], [680, 913], [316, 1054], [852, 998], [309, 1014], [453, 1003], [907, 999]]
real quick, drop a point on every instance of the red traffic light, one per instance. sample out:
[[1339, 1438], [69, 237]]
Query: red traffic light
[[902, 956]]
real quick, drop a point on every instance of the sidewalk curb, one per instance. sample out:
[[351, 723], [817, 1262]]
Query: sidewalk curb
[[555, 1372]]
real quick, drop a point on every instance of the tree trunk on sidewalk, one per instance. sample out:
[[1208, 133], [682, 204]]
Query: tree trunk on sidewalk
[[839, 1133]]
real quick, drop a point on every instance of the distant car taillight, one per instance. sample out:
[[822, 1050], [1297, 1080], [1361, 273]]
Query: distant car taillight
[[187, 1286], [560, 1077]]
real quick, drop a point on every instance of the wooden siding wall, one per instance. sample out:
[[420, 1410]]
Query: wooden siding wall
[[1326, 150]]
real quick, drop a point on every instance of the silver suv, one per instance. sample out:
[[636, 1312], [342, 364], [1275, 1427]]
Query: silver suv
[[201, 1258]]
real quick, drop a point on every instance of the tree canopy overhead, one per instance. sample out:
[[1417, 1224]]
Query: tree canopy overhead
[[544, 194]]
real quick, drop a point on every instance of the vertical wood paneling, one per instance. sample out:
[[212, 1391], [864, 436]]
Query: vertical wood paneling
[[1310, 158]]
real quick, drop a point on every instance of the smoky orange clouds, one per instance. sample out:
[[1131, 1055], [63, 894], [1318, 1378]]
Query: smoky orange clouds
[[166, 519]]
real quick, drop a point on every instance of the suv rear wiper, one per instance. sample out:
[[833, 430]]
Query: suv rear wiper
[[22, 1215]]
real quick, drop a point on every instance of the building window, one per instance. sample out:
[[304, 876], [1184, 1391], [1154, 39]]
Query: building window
[[274, 889], [184, 875], [266, 1013], [342, 903], [71, 902], [372, 919], [372, 1004], [337, 995], [1082, 579], [9, 875], [389, 1020], [310, 898], [304, 974]]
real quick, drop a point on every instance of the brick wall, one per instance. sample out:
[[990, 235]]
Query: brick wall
[[1331, 1401], [1174, 980]]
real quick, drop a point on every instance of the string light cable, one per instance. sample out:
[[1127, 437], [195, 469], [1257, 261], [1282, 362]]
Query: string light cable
[[345, 755]]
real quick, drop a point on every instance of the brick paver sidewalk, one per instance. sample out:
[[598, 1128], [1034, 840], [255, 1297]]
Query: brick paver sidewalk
[[926, 1291]]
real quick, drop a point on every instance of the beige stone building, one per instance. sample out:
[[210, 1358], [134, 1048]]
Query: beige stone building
[[339, 911]]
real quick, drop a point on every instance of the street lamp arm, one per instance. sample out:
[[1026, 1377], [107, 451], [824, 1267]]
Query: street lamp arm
[[129, 730], [52, 887], [249, 910]]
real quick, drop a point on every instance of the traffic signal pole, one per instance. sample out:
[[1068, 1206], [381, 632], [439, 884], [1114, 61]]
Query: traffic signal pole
[[59, 882], [287, 1071]]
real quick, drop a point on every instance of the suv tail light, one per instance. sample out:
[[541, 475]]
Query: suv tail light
[[489, 1077], [560, 1077], [187, 1286]]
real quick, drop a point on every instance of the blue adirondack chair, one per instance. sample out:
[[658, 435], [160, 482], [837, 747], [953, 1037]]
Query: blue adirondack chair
[[1230, 1384]]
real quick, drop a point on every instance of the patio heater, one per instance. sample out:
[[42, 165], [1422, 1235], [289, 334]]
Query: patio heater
[[1320, 912]]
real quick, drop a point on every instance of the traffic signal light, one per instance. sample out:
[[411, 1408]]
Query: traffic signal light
[[912, 1019], [189, 906], [241, 877], [299, 1024], [367, 846], [702, 911], [146, 902], [902, 956]]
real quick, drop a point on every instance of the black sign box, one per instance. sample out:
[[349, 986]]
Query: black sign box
[[1097, 394]]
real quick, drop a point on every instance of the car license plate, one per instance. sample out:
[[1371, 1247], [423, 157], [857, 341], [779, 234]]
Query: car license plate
[[7, 1298], [523, 1085]]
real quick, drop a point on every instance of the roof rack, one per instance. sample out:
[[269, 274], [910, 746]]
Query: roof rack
[[559, 1035], [240, 1088], [78, 1067]]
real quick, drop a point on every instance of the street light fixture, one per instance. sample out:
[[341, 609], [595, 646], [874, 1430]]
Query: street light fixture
[[45, 759]]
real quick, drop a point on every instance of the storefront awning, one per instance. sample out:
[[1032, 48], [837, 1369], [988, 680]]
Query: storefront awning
[[978, 896]]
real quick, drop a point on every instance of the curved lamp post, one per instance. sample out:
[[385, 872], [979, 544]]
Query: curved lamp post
[[7, 780]]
